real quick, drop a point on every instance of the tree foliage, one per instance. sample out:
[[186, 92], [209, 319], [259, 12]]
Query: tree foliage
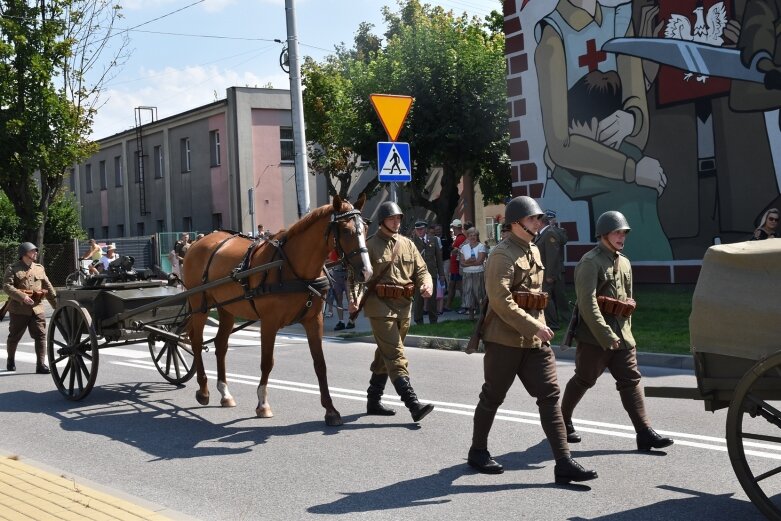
[[453, 66], [51, 77]]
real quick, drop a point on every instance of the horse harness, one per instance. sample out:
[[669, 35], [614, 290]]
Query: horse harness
[[315, 287]]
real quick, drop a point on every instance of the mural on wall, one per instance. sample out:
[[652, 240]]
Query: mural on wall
[[687, 156]]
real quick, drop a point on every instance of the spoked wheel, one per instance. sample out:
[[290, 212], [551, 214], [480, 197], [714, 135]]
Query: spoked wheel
[[75, 279], [174, 360], [72, 350], [754, 435]]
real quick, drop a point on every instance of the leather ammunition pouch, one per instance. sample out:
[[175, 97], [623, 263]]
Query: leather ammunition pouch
[[395, 290], [528, 300], [37, 295], [615, 307]]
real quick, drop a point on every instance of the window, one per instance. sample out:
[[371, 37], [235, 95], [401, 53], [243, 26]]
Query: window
[[490, 228], [214, 147], [88, 178], [185, 146], [286, 145], [187, 223], [104, 231], [120, 230], [118, 171], [160, 226], [216, 221], [102, 171], [140, 229], [91, 232], [158, 159]]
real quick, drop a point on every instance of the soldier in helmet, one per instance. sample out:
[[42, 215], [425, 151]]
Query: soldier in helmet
[[603, 285], [517, 343], [400, 268], [26, 284]]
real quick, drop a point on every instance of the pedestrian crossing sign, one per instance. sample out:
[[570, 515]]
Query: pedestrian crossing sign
[[394, 162]]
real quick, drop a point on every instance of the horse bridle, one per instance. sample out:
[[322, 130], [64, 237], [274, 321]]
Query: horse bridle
[[333, 228]]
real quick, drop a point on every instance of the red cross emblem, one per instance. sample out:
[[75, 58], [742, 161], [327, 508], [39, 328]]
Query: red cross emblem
[[592, 58]]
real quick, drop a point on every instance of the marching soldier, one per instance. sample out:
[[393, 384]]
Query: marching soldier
[[431, 252], [603, 284], [26, 284], [398, 269], [517, 343], [551, 243]]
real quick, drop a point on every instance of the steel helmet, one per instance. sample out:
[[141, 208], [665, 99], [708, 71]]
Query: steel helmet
[[388, 209], [610, 222], [521, 207], [25, 248]]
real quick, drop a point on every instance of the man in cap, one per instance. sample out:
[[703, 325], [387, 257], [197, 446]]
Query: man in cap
[[109, 257], [455, 267], [431, 251], [603, 285], [26, 284], [517, 343], [399, 269], [551, 241]]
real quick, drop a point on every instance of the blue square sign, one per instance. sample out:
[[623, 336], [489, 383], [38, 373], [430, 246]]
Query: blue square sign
[[393, 161]]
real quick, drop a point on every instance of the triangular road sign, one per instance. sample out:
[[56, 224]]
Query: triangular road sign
[[392, 110]]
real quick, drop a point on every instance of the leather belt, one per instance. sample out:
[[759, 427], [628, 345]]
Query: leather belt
[[395, 290], [615, 307], [531, 300]]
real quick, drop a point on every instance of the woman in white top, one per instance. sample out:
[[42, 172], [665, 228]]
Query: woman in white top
[[473, 254]]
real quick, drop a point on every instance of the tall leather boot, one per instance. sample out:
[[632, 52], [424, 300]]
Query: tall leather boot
[[573, 393], [410, 399], [374, 406], [10, 364]]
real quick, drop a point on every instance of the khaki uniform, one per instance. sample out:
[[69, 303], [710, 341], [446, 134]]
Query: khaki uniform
[[551, 244], [432, 255], [602, 272], [19, 276], [511, 347], [390, 317]]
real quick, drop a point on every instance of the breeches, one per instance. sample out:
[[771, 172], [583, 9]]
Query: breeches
[[591, 361], [389, 333], [36, 325]]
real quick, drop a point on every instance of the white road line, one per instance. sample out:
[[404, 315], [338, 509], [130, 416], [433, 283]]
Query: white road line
[[609, 429]]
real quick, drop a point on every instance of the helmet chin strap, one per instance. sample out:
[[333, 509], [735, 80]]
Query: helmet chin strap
[[382, 224], [533, 234]]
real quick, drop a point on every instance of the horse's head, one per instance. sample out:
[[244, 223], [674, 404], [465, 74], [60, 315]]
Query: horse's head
[[349, 234]]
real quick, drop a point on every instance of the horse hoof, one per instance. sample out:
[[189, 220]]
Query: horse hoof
[[228, 402], [333, 420], [203, 399], [264, 412]]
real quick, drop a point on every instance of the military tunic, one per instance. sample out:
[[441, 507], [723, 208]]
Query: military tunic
[[431, 253], [389, 317], [551, 244], [19, 276], [512, 349]]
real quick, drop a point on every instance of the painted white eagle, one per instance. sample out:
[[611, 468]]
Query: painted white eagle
[[708, 29]]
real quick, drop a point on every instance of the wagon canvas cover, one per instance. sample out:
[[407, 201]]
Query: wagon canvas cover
[[736, 308]]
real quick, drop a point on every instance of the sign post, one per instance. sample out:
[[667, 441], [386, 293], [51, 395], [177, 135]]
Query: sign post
[[393, 158]]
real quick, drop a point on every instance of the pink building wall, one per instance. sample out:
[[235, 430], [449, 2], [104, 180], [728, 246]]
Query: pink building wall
[[266, 159]]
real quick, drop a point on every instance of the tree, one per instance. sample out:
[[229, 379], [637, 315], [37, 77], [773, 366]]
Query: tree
[[51, 77], [454, 68], [63, 222]]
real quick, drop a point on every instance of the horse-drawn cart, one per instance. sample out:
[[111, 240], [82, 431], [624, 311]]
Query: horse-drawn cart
[[122, 308], [735, 330]]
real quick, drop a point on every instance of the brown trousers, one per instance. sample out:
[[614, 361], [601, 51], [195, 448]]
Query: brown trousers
[[389, 333], [536, 369], [590, 362], [36, 325]]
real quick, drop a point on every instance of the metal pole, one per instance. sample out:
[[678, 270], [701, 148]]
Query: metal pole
[[297, 109], [251, 206], [392, 192]]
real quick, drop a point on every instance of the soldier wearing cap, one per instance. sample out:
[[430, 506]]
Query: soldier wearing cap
[[517, 343], [551, 241], [431, 251], [603, 284], [399, 266], [26, 284]]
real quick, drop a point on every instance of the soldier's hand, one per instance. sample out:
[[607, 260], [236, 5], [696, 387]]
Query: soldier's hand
[[425, 290], [545, 334], [616, 344], [353, 307], [27, 300]]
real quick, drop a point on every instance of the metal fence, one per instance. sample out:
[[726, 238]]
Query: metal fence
[[166, 242]]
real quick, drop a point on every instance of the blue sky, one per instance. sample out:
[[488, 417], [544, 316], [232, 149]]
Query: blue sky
[[178, 71]]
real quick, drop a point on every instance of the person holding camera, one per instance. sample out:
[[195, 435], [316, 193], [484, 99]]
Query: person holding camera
[[27, 285]]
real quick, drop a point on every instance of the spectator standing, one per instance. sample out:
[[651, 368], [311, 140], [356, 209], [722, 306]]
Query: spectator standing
[[26, 284], [431, 251], [473, 255], [339, 290], [551, 241], [768, 227], [455, 266], [179, 248], [434, 231]]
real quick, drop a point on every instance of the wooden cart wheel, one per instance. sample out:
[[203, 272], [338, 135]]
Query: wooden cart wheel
[[754, 435], [174, 360], [72, 350]]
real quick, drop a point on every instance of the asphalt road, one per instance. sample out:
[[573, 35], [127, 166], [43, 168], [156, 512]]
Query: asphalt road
[[150, 439]]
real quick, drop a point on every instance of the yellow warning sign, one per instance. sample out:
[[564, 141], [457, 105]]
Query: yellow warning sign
[[392, 110]]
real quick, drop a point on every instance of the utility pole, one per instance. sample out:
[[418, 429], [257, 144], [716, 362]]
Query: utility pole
[[297, 110]]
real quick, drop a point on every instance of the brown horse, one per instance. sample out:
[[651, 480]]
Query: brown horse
[[303, 249]]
